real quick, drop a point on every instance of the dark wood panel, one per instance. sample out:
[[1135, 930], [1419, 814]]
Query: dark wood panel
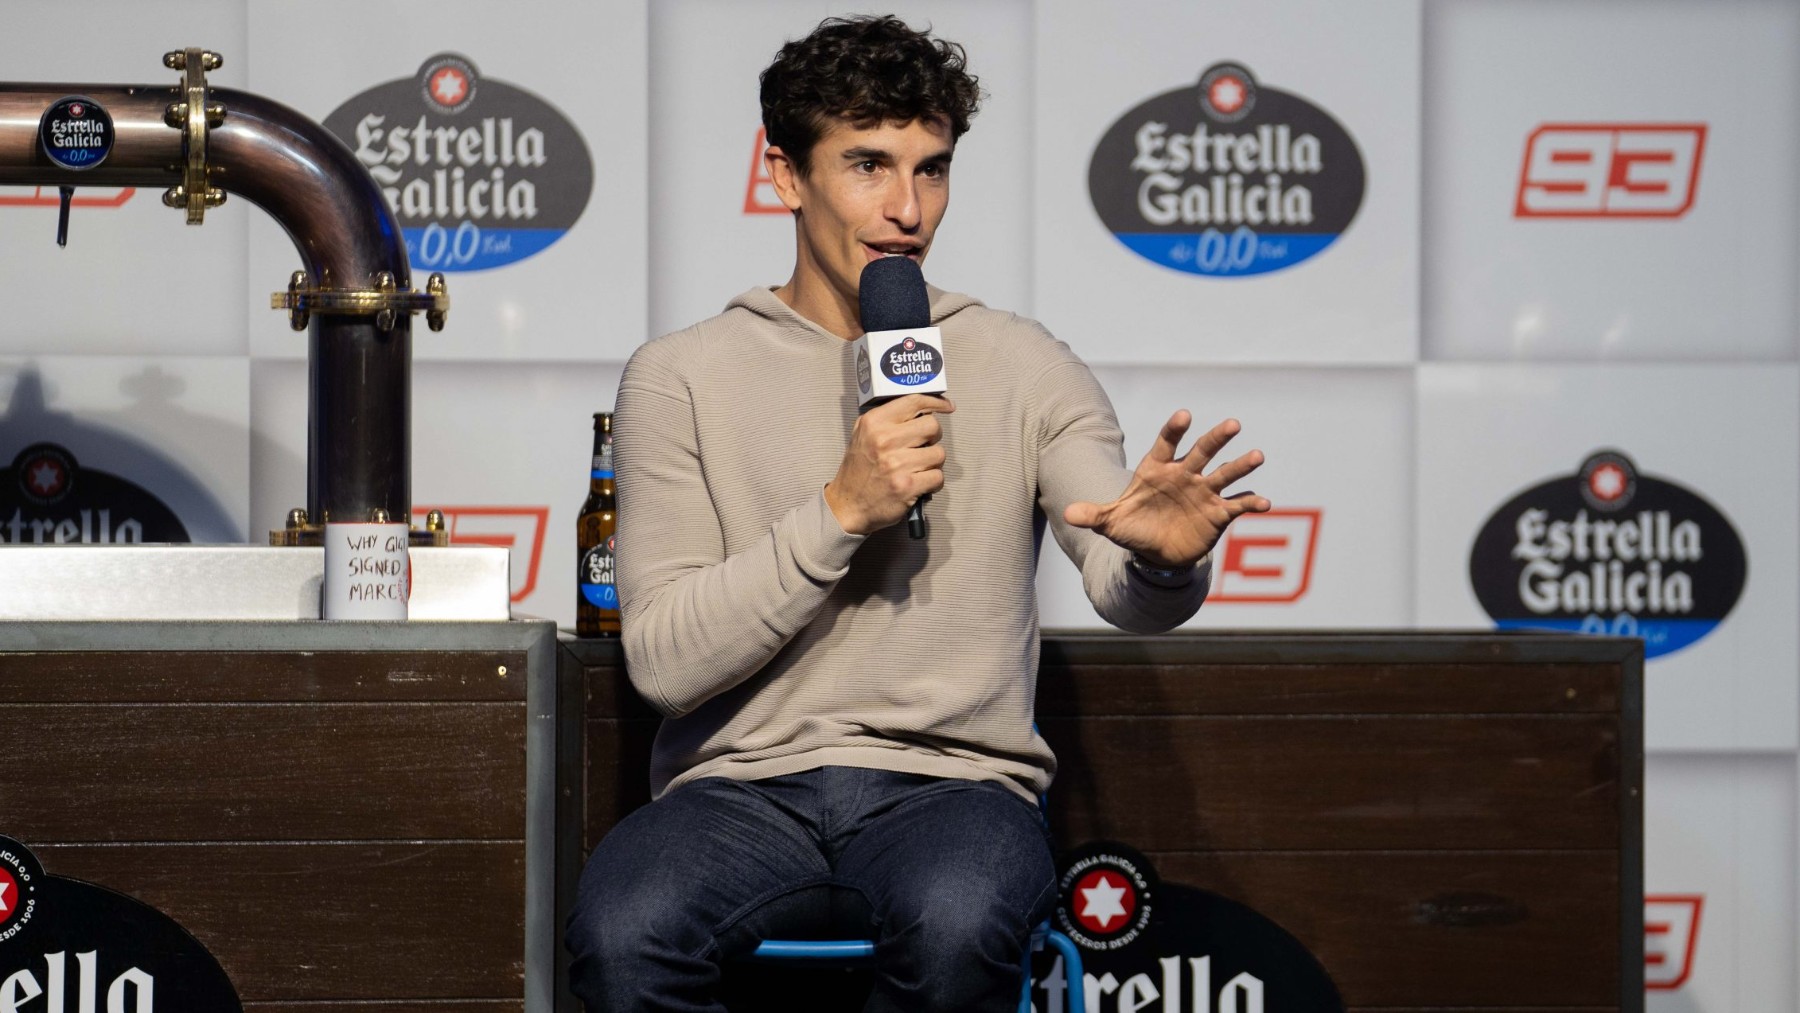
[[323, 921], [610, 695], [273, 676], [1199, 783], [618, 774], [219, 772], [1101, 690], [1436, 929]]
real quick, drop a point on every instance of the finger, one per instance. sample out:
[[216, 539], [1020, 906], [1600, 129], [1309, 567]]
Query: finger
[[1247, 503], [1232, 472], [1083, 515], [909, 406], [919, 432], [919, 459], [915, 405], [1163, 450], [1209, 444], [920, 473]]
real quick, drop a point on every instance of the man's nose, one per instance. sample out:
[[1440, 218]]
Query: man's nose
[[903, 204]]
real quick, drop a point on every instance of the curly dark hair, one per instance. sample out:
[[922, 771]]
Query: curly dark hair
[[867, 70]]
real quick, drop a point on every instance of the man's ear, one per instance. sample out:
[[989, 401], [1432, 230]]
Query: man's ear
[[784, 175]]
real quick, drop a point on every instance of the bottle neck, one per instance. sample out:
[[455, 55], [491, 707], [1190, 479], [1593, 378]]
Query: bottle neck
[[602, 468]]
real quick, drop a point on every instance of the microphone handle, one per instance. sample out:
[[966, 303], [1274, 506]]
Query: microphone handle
[[915, 518]]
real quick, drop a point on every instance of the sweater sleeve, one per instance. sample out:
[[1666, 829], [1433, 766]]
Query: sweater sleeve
[[1081, 457], [696, 622]]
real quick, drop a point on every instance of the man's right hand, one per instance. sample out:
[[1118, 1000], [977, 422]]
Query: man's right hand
[[892, 460]]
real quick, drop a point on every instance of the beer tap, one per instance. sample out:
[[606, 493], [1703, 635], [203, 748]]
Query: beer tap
[[354, 293]]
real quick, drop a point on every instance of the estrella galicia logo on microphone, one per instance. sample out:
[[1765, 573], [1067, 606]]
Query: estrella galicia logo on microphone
[[1227, 177], [911, 362], [481, 173], [1610, 550]]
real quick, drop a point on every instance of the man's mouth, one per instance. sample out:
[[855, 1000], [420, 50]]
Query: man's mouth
[[877, 250]]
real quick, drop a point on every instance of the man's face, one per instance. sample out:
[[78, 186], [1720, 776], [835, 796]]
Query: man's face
[[868, 192]]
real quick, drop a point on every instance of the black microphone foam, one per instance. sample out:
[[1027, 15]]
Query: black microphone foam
[[892, 294]]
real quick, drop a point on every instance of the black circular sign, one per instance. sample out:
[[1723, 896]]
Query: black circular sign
[[76, 133]]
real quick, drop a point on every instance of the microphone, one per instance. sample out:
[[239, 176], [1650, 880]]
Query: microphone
[[899, 352]]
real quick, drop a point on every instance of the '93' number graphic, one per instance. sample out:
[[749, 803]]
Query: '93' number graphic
[[1609, 170]]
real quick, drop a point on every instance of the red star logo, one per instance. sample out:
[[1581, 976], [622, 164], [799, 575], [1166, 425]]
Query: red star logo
[[45, 476], [449, 86], [907, 344], [1607, 482], [77, 109], [1227, 94], [9, 895], [1103, 901]]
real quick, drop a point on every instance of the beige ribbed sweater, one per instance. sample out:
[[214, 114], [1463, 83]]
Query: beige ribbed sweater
[[774, 641]]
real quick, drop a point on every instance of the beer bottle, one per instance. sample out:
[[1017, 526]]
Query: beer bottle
[[596, 598]]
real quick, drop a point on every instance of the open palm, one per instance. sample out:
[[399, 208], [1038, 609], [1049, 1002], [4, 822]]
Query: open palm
[[1174, 511]]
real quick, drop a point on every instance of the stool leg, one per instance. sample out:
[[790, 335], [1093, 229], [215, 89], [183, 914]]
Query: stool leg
[[1074, 976]]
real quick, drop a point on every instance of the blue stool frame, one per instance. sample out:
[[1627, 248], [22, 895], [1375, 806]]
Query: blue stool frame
[[859, 952]]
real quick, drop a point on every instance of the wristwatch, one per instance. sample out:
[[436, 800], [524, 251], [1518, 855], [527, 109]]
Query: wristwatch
[[1160, 574]]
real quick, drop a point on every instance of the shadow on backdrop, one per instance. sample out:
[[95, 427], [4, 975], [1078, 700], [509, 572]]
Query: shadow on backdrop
[[105, 442]]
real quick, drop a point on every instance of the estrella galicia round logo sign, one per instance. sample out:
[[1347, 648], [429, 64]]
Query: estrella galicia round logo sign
[[1610, 550], [480, 172], [20, 876], [46, 497], [1189, 950], [76, 133], [1108, 892], [86, 947], [1227, 177], [911, 363]]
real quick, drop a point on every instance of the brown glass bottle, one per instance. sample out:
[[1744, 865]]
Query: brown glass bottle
[[596, 596]]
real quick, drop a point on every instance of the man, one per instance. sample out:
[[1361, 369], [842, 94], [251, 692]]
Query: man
[[849, 708]]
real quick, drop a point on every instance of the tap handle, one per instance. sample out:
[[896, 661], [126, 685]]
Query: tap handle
[[62, 215]]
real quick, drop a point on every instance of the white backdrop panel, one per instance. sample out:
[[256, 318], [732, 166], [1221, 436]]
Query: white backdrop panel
[[712, 237], [1715, 283], [1720, 829], [1355, 302], [1730, 434], [582, 298], [177, 427], [502, 448], [1339, 448], [135, 277]]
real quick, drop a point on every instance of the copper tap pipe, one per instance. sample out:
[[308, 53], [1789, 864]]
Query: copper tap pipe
[[359, 439]]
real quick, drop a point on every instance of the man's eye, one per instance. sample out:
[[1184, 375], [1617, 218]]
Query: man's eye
[[867, 166]]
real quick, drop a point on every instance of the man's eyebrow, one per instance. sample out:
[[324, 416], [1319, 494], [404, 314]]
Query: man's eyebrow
[[862, 154]]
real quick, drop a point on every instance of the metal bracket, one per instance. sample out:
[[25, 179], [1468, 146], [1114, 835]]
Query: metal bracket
[[301, 301], [302, 530], [193, 115]]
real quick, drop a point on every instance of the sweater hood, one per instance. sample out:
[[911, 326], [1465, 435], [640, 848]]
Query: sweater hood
[[764, 303]]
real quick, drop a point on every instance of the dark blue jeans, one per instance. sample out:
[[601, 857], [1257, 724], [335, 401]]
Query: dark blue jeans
[[954, 874]]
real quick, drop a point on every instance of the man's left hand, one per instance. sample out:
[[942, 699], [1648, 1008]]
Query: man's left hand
[[1173, 512]]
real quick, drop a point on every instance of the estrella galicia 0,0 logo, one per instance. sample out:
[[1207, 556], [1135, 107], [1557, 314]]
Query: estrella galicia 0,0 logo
[[480, 172], [1226, 177]]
